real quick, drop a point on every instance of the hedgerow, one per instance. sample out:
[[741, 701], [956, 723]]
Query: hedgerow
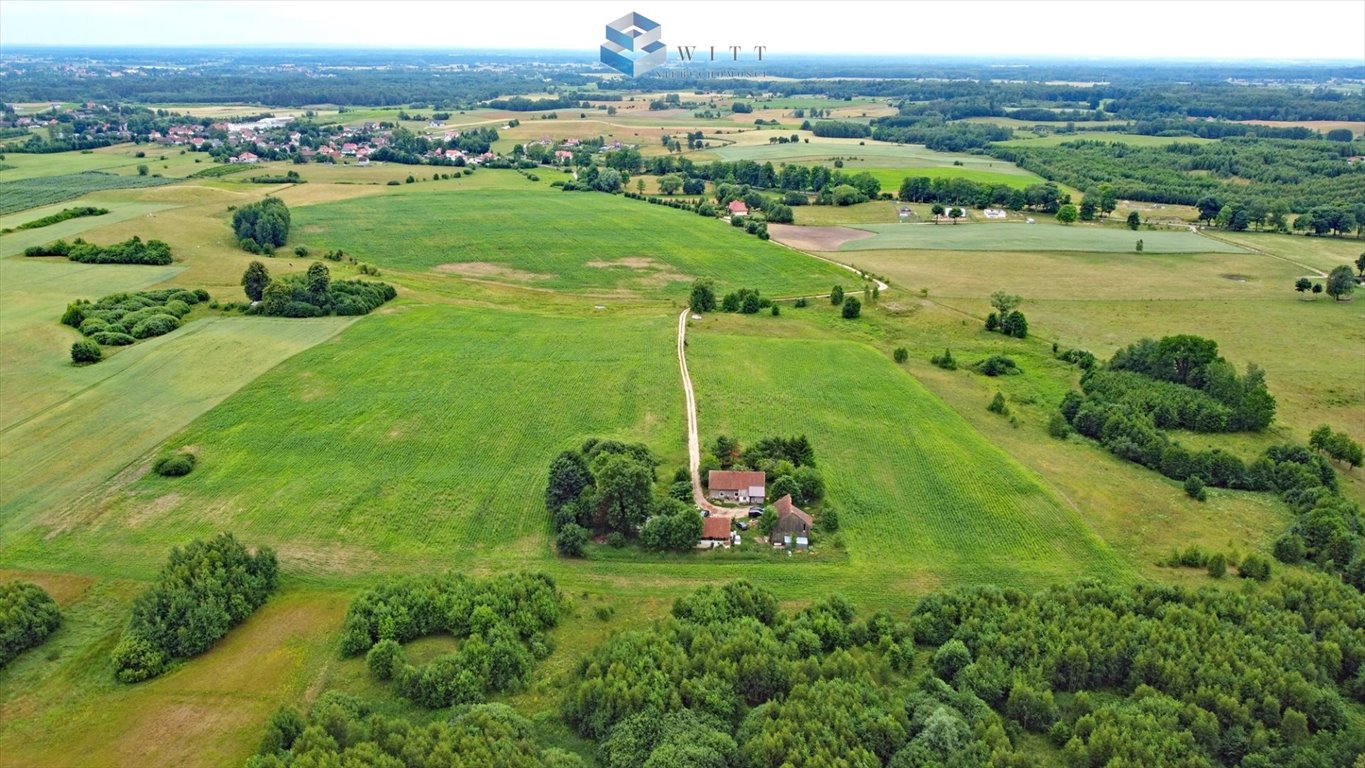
[[503, 622], [315, 294], [122, 318], [203, 591], [28, 614], [130, 251]]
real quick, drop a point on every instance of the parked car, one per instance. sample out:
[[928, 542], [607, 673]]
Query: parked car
[[740, 524], [755, 511]]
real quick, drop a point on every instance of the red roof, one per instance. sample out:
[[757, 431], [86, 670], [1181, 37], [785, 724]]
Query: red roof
[[715, 528], [738, 206], [722, 480]]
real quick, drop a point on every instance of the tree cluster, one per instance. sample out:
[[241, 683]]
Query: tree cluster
[[261, 227], [343, 730], [1337, 445], [130, 251], [502, 623], [202, 592], [120, 319], [956, 190], [604, 486], [1182, 381], [788, 463], [28, 614], [312, 294]]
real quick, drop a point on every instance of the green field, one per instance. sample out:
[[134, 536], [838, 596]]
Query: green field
[[557, 240], [1134, 139], [921, 495], [419, 435], [22, 194], [891, 178], [1030, 237]]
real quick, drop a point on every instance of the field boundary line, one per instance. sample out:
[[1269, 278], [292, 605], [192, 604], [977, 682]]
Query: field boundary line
[[1317, 272]]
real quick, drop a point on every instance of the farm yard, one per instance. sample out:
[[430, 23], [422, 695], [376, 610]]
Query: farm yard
[[517, 385]]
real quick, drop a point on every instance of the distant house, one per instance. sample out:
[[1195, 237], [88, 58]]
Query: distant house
[[793, 524], [741, 487], [738, 208], [994, 213], [715, 532], [245, 157]]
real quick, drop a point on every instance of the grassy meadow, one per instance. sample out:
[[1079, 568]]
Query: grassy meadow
[[1015, 236]]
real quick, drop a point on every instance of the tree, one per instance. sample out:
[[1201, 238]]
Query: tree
[[1138, 246], [955, 213], [950, 658], [669, 184], [937, 210], [998, 405], [1317, 288], [1067, 214], [1005, 303], [1218, 566], [318, 278], [384, 658], [852, 308], [1360, 264], [1014, 324], [142, 170], [623, 488], [836, 295], [1209, 207], [254, 280], [768, 521], [703, 298], [1303, 284], [1341, 281], [275, 298], [1134, 220], [86, 351], [1194, 487], [901, 354], [1088, 206], [571, 540]]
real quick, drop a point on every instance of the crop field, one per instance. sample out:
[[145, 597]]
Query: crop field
[[556, 240], [919, 491], [1031, 237], [869, 154], [421, 434], [23, 194], [15, 242]]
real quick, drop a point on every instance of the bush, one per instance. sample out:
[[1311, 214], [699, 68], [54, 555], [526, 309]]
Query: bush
[[176, 464], [853, 308], [1218, 566], [85, 351], [997, 365], [900, 355], [997, 405], [1058, 427], [945, 360], [1254, 567], [156, 325], [1194, 487], [112, 339], [29, 615], [571, 540], [384, 658]]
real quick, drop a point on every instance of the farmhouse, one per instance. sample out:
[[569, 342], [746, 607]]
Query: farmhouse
[[793, 524], [742, 487], [738, 208], [715, 532]]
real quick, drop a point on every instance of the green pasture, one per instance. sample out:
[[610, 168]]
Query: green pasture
[[1012, 236], [578, 241], [920, 493], [1134, 139]]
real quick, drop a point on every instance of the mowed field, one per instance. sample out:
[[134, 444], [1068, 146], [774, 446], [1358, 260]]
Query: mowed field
[[557, 240], [922, 496], [1030, 237]]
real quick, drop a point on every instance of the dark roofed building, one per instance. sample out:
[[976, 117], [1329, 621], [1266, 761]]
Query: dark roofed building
[[793, 524]]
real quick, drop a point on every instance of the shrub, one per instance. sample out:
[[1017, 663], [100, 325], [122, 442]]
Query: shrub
[[156, 325], [384, 658], [1058, 427], [1254, 567], [112, 338], [86, 351], [571, 540], [1194, 487], [1218, 566], [997, 365], [176, 464], [853, 308], [900, 355], [945, 360], [997, 405]]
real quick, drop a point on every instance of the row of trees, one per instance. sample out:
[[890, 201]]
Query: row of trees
[[503, 622], [955, 190], [203, 591], [130, 251], [28, 614]]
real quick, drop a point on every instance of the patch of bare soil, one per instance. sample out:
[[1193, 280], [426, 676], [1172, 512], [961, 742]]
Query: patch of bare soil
[[652, 272], [815, 238], [486, 270]]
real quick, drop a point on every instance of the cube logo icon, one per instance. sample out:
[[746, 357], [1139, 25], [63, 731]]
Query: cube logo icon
[[632, 46]]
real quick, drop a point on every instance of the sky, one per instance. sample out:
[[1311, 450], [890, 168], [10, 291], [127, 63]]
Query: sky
[[1143, 29]]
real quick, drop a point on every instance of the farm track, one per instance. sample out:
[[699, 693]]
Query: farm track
[[689, 396]]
